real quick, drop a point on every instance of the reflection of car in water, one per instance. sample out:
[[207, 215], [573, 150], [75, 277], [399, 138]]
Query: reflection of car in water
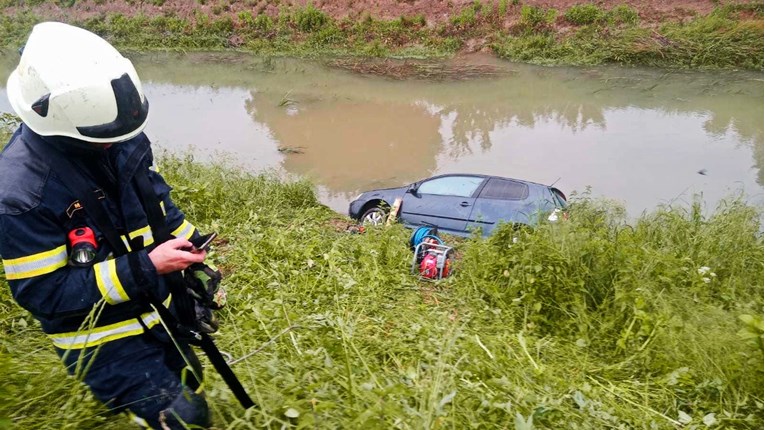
[[461, 203]]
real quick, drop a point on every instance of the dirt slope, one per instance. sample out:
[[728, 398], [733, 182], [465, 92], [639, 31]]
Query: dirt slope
[[434, 11]]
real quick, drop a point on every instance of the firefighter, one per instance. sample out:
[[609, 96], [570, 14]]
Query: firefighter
[[69, 186]]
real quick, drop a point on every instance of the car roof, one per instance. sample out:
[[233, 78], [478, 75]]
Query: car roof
[[478, 175]]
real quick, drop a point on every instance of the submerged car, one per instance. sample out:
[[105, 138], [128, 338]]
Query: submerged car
[[461, 203]]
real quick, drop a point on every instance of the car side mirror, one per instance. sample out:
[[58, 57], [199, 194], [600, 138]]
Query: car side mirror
[[412, 189]]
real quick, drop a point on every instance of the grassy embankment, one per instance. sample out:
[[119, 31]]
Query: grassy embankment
[[729, 37], [589, 323]]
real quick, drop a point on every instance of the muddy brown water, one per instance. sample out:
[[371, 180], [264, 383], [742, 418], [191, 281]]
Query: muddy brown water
[[642, 137]]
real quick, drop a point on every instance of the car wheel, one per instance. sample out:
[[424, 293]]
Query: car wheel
[[374, 216]]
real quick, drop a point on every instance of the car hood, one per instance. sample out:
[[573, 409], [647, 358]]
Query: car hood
[[385, 191]]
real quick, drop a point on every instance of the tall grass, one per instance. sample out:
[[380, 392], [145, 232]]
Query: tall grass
[[588, 323], [718, 40]]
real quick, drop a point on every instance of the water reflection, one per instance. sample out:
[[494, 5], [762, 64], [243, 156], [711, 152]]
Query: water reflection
[[635, 135], [344, 143]]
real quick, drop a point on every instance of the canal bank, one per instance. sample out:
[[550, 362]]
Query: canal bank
[[685, 34]]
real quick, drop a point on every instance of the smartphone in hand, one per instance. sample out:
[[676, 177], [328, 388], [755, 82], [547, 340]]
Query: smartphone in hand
[[201, 242]]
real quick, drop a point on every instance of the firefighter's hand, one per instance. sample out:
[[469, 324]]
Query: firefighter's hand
[[203, 282], [169, 256]]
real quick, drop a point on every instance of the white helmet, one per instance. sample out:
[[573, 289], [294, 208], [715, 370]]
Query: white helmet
[[70, 82]]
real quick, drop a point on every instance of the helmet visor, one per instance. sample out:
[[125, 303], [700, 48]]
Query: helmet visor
[[131, 112]]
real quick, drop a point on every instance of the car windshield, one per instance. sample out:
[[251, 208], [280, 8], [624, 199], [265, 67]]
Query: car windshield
[[461, 186]]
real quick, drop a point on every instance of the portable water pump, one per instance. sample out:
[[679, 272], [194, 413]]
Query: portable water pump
[[431, 257]]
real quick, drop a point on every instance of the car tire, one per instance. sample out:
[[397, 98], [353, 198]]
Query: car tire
[[375, 216]]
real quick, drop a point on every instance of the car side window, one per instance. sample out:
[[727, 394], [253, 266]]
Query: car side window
[[502, 189], [460, 186]]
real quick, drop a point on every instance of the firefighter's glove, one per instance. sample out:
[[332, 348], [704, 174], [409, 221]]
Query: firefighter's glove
[[203, 282]]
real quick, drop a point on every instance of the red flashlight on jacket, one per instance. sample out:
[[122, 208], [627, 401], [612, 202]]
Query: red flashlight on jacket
[[82, 241]]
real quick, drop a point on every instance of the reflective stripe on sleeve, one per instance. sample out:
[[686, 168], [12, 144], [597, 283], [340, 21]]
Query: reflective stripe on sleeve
[[109, 283], [107, 333], [126, 241], [145, 232], [35, 264], [184, 230]]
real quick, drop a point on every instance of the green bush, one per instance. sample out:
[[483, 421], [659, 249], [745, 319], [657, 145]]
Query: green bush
[[623, 14], [466, 18], [534, 17], [583, 14], [327, 36], [310, 19]]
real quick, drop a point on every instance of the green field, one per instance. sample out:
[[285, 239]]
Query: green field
[[588, 323]]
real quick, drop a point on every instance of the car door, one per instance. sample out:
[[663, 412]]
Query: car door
[[444, 201], [499, 200]]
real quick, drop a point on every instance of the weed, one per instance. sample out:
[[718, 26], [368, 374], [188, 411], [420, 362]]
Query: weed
[[583, 14], [623, 14], [536, 18], [502, 8], [465, 19], [327, 36], [374, 49], [310, 18]]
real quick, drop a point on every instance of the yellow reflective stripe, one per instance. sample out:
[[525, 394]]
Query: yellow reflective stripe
[[126, 241], [162, 206], [107, 333], [184, 230], [145, 232], [35, 264], [138, 420], [109, 283]]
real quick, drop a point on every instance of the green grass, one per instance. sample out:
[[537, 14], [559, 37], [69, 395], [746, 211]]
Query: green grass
[[718, 40], [726, 38], [588, 323]]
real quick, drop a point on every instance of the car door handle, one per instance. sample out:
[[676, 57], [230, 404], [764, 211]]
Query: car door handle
[[464, 204]]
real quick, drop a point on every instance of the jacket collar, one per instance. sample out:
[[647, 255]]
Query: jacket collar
[[127, 154]]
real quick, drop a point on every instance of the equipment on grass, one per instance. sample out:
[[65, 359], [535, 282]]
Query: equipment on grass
[[431, 257]]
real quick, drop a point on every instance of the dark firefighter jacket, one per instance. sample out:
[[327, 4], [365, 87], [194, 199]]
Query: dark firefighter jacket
[[80, 307]]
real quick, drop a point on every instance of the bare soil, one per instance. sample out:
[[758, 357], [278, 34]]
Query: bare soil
[[434, 11]]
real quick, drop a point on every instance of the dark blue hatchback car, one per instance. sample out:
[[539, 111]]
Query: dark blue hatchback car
[[461, 203]]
